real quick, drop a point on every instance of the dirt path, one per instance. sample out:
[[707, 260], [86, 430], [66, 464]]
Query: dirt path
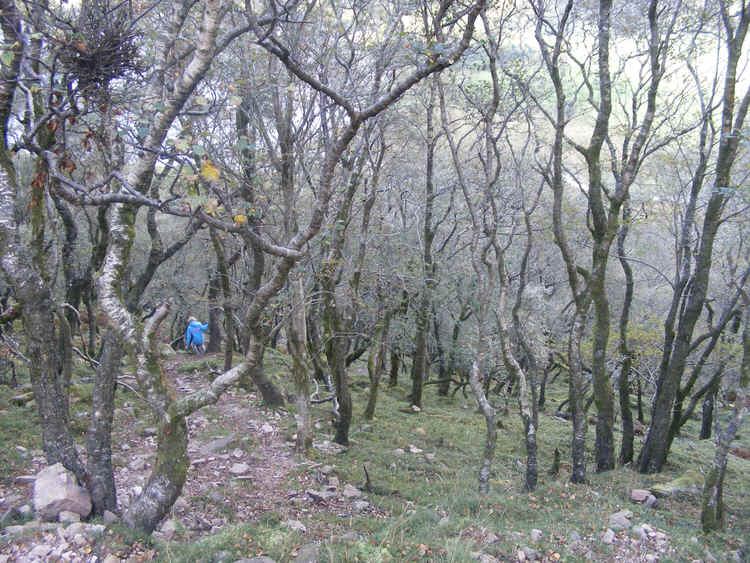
[[242, 466]]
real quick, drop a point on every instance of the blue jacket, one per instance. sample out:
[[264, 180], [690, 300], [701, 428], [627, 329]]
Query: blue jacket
[[194, 333]]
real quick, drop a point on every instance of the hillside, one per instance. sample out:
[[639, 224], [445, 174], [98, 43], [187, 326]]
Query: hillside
[[248, 496]]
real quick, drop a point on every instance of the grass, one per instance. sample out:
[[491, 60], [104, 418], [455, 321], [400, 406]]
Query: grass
[[432, 507]]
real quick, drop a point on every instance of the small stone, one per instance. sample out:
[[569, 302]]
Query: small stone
[[136, 490], [608, 537], [146, 432], [535, 535], [111, 558], [399, 451], [24, 479], [326, 469], [521, 556], [575, 536], [237, 453], [169, 528], [350, 537], [651, 502], [68, 517], [444, 521], [333, 482], [239, 468], [639, 495], [414, 449], [531, 555], [490, 538], [138, 464], [620, 520], [25, 510], [360, 505], [421, 431], [309, 553], [295, 525], [111, 517], [351, 491], [366, 428], [639, 533], [651, 558], [79, 540], [320, 496], [487, 558], [40, 551], [430, 457], [266, 428]]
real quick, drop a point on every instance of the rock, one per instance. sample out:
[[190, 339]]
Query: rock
[[651, 502], [414, 449], [111, 517], [620, 520], [168, 528], [138, 464], [350, 537], [651, 558], [710, 558], [485, 558], [309, 553], [328, 447], [262, 559], [68, 517], [430, 457], [24, 479], [55, 489], [689, 483], [216, 445], [490, 538], [333, 482], [360, 506], [639, 532], [326, 469], [25, 510], [575, 536], [639, 495], [147, 432], [79, 540], [531, 555], [111, 558], [237, 453], [366, 428], [351, 491], [521, 556], [295, 526], [399, 451], [266, 428], [444, 521], [535, 535], [40, 551], [239, 468], [320, 496], [608, 537]]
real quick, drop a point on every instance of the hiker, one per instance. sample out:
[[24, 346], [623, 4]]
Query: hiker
[[194, 335]]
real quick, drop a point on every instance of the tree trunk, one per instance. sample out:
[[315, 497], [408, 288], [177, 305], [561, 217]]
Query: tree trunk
[[271, 395], [623, 386], [376, 359], [296, 328], [485, 465], [167, 478], [101, 483]]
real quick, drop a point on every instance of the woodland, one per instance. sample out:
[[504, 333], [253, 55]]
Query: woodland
[[477, 198]]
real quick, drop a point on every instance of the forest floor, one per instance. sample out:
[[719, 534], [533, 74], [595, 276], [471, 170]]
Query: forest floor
[[248, 495]]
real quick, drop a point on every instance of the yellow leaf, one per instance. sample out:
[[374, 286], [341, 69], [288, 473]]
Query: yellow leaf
[[240, 218], [209, 171]]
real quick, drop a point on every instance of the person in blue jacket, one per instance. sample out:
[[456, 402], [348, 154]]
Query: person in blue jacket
[[194, 335]]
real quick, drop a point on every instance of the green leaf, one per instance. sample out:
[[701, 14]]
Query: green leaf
[[235, 100]]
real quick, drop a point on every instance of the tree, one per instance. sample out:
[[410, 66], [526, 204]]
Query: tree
[[690, 291]]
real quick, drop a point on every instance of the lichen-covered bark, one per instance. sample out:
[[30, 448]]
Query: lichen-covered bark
[[101, 481], [712, 508], [485, 464], [297, 338]]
